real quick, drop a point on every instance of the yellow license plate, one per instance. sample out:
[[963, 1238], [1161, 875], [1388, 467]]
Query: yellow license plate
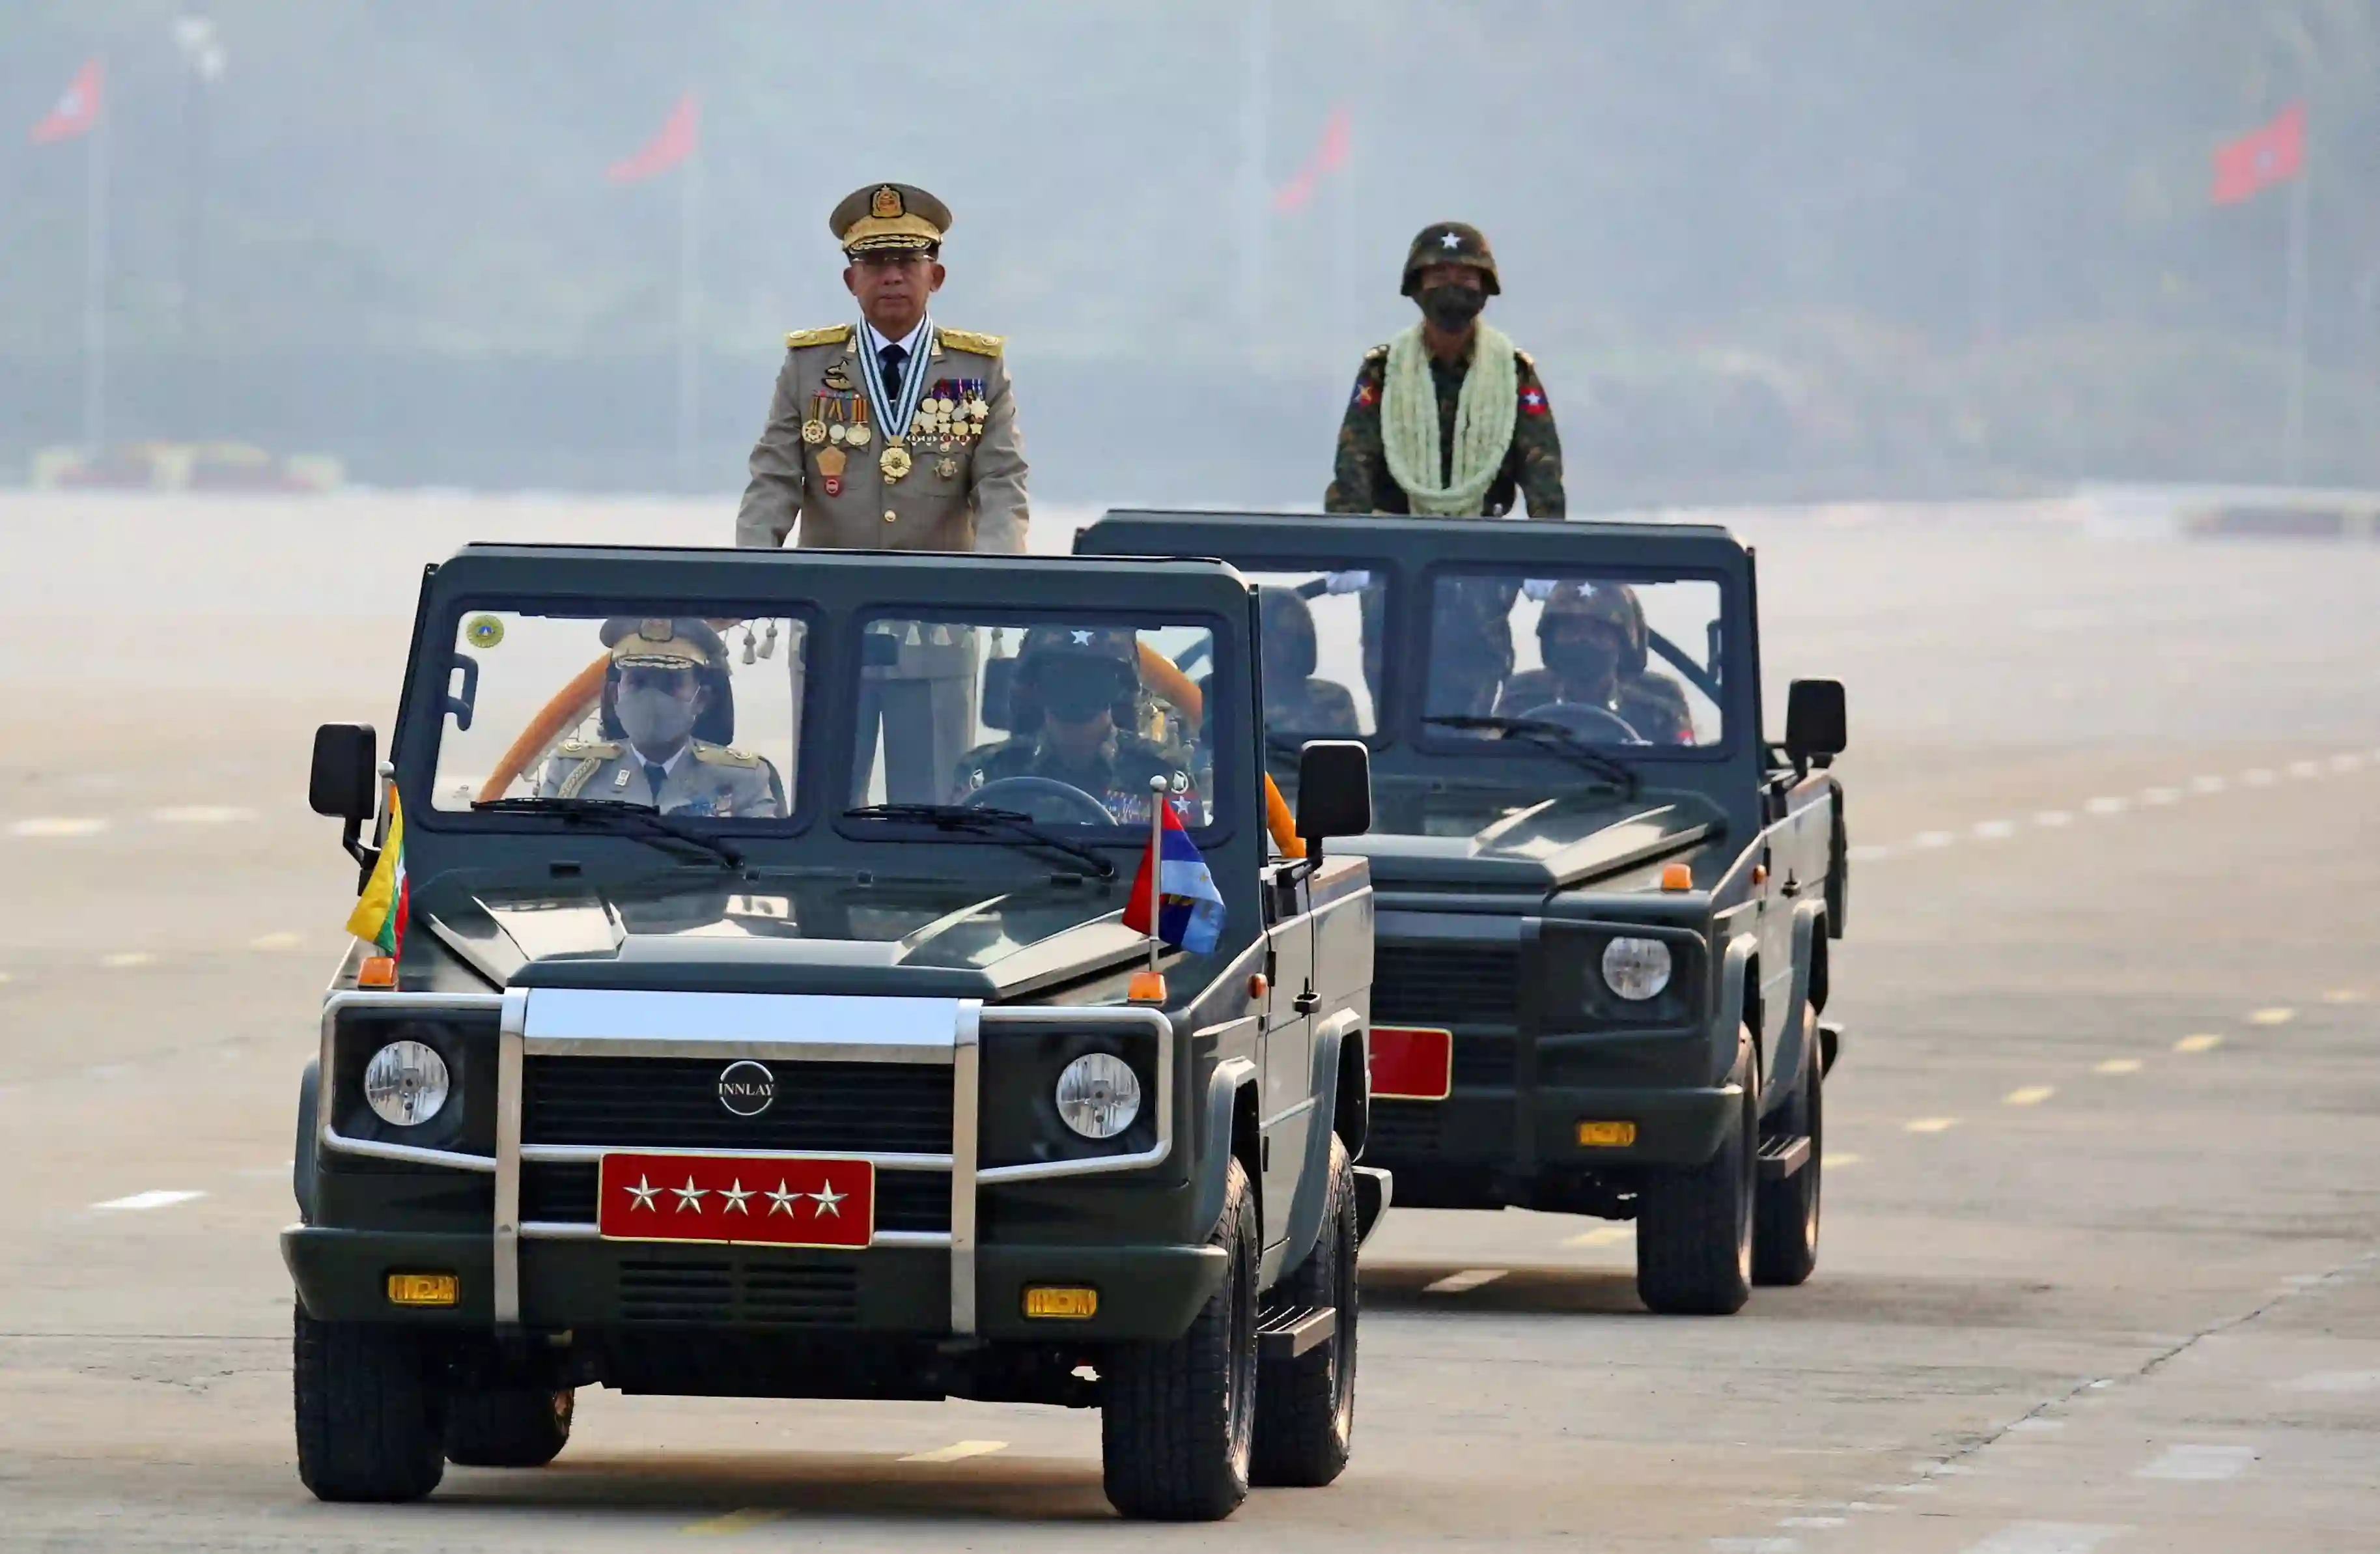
[[1607, 1135], [1074, 1302], [423, 1289]]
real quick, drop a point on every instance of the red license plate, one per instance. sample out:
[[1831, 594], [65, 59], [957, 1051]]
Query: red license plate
[[1412, 1064], [736, 1200]]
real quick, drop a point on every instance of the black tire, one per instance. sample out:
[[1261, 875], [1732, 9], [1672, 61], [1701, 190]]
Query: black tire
[[1694, 1223], [1785, 1214], [1177, 1419], [369, 1412], [507, 1427], [1305, 1407]]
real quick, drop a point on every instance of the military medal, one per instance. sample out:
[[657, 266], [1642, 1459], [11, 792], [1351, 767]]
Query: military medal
[[894, 407], [838, 432], [859, 435], [894, 461], [829, 466], [947, 467], [814, 432]]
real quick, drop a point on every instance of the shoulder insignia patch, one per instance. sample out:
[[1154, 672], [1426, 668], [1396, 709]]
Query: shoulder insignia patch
[[833, 335], [1525, 358], [591, 749], [723, 755], [968, 340]]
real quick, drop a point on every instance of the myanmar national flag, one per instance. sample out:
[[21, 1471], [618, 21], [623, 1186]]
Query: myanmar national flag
[[388, 896], [1189, 907]]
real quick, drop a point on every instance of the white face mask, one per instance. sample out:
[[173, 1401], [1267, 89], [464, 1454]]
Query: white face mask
[[654, 719]]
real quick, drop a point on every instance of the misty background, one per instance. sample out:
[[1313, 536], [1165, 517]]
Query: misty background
[[1760, 249]]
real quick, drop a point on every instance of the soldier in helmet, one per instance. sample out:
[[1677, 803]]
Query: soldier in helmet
[[1593, 640], [667, 715], [1076, 693], [1296, 700], [1449, 420]]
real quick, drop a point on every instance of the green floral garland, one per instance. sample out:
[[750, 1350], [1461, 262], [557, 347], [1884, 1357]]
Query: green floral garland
[[1483, 422]]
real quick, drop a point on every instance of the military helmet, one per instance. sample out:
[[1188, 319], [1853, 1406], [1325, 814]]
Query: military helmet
[[1287, 624], [1072, 671], [1450, 242], [1610, 604]]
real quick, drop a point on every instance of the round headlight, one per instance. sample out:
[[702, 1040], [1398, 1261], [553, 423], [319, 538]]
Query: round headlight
[[405, 1083], [1636, 968], [1098, 1095]]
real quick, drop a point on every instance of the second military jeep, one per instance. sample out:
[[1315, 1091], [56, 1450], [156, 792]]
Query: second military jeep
[[1606, 900], [697, 1059]]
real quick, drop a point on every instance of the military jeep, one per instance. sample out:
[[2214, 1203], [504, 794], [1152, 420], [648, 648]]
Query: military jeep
[[706, 1063], [1606, 901]]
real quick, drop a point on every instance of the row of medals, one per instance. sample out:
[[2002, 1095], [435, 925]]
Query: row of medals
[[936, 418]]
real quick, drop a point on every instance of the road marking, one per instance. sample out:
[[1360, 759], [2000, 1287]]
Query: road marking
[[1755, 1545], [49, 827], [201, 815], [2207, 784], [2160, 795], [2257, 777], [2204, 1041], [2119, 1065], [2107, 803], [2045, 1537], [734, 1522], [282, 941], [2199, 1464], [958, 1450], [1994, 831], [1846, 1157], [125, 958], [1929, 1125], [2336, 995], [2053, 818], [2030, 1095], [1869, 852], [2272, 1016], [1812, 1522], [2349, 761], [1932, 839], [2335, 1381], [2305, 768], [155, 1198], [1469, 1278], [1602, 1235]]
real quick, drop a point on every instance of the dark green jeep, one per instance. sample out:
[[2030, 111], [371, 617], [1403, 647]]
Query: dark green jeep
[[1606, 900], [763, 1022]]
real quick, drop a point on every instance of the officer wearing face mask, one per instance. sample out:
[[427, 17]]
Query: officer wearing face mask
[[1075, 692], [666, 685], [1592, 639]]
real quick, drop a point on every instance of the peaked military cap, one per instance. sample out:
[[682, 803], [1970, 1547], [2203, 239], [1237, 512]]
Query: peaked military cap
[[659, 643], [886, 216], [1450, 242]]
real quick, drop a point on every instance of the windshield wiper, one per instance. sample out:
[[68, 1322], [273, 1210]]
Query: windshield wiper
[[1001, 825], [647, 823], [1548, 735]]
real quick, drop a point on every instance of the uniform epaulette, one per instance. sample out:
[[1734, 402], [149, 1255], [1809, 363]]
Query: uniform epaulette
[[968, 340], [723, 755], [1525, 358], [592, 750], [833, 335], [1378, 353]]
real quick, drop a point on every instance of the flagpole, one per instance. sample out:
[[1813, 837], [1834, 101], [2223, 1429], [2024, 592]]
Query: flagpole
[[689, 302], [2293, 423], [94, 282], [1157, 866]]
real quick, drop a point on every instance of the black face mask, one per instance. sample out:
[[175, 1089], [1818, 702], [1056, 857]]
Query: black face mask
[[1077, 693], [1581, 660], [1451, 308]]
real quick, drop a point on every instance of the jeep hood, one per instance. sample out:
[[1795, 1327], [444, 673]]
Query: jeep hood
[[1547, 846]]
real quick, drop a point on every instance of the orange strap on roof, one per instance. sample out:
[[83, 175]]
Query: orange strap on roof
[[570, 704], [1167, 681]]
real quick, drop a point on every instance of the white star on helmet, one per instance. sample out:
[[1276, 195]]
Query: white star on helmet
[[1450, 241]]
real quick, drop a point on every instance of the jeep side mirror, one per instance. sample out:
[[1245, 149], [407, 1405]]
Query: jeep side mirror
[[1815, 728], [346, 771], [1334, 791]]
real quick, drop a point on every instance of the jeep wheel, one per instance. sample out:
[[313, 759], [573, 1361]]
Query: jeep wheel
[[1785, 1214], [507, 1427], [1176, 1419], [1306, 1406], [1694, 1223], [368, 1412]]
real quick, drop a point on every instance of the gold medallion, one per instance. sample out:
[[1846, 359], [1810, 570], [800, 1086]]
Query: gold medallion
[[978, 409], [859, 436], [947, 467], [885, 203], [836, 433], [894, 461], [814, 432], [831, 462]]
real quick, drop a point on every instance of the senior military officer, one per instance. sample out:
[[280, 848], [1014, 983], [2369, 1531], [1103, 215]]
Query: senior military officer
[[895, 433], [1449, 420], [663, 683]]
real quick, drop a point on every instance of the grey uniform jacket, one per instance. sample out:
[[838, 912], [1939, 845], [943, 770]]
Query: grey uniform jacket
[[965, 490]]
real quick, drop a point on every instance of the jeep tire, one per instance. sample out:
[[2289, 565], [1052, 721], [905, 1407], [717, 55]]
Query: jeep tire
[[1306, 1406], [1694, 1223], [1177, 1419], [507, 1426], [369, 1412], [1785, 1213]]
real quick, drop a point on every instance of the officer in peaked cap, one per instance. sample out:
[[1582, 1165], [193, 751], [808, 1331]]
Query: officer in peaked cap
[[665, 687], [895, 433]]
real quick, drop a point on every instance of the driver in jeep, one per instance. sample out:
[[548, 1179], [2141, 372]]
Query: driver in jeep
[[1592, 639], [1076, 693]]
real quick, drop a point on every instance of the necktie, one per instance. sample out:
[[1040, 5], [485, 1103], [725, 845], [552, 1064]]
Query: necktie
[[655, 775], [891, 360]]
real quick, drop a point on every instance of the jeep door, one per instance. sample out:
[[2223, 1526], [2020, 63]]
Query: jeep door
[[1285, 1093]]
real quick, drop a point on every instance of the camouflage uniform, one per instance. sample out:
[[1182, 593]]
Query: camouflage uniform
[[1118, 772], [1650, 702], [1296, 701]]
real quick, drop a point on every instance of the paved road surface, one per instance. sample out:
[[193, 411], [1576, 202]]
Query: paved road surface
[[2102, 1257]]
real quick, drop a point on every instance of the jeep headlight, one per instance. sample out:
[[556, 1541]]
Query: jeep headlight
[[405, 1083], [1636, 968], [1098, 1095]]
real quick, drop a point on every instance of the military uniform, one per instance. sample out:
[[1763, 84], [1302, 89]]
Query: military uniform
[[697, 776], [1117, 775], [704, 780], [1646, 700], [828, 472], [1075, 675], [1296, 700], [1651, 703]]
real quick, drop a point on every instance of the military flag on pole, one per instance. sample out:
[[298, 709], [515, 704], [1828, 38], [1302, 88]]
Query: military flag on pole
[[380, 916]]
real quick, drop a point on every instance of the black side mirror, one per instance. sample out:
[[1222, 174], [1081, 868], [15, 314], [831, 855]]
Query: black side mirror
[[1334, 791], [345, 781], [1814, 728]]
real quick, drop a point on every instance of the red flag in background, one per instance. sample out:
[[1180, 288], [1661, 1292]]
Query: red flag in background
[[76, 111], [2274, 155], [1329, 155], [679, 136]]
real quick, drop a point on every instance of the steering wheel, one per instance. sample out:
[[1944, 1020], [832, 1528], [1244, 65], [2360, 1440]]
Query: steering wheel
[[1087, 809], [1599, 725]]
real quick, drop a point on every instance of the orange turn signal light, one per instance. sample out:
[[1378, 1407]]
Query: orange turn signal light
[[424, 1288], [1677, 877], [378, 971], [1069, 1302], [1258, 986], [1147, 987]]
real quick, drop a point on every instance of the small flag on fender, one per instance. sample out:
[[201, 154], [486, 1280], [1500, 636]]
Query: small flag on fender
[[380, 916], [1189, 907]]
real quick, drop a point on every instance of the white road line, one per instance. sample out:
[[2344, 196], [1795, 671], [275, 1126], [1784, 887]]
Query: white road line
[[1932, 839], [2045, 1537], [1469, 1278], [1602, 1235], [2350, 762], [2204, 1041], [2272, 1016], [2118, 1065], [2160, 795], [2030, 1095], [124, 959], [2258, 777], [1845, 1159], [1994, 831], [1755, 1545], [2107, 803], [1929, 1125], [1812, 1521], [49, 827], [2207, 784], [155, 1198], [2053, 818], [2305, 768], [2199, 1464], [201, 815], [958, 1450]]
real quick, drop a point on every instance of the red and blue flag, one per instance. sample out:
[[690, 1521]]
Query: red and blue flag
[[1189, 907]]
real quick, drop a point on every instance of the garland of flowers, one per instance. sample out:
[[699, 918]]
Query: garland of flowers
[[1483, 422]]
